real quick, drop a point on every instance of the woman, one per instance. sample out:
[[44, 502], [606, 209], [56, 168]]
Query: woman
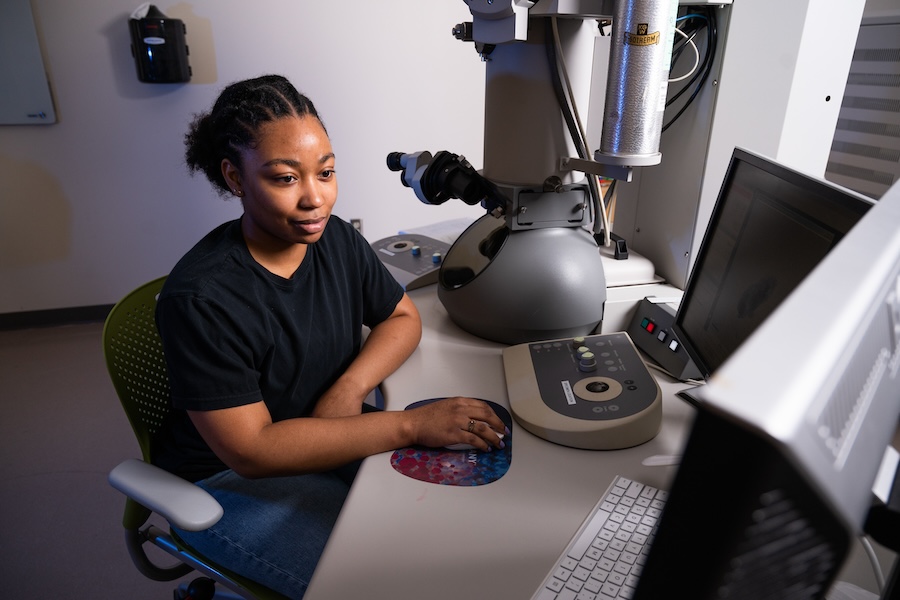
[[261, 324]]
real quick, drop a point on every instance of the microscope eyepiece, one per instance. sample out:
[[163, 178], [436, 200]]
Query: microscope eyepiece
[[394, 161], [445, 175]]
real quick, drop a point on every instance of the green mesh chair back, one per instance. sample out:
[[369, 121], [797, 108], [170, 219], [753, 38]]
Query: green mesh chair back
[[136, 363], [137, 367]]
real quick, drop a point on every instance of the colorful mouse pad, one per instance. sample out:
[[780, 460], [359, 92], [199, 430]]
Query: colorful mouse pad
[[455, 467]]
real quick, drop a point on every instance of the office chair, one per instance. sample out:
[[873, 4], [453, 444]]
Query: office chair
[[134, 358]]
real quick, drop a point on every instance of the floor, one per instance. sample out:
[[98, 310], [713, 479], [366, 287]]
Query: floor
[[61, 432]]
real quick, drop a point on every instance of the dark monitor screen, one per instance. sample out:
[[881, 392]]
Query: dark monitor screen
[[770, 227]]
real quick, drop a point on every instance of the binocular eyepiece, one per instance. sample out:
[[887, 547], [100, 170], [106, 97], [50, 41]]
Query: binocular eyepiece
[[445, 175]]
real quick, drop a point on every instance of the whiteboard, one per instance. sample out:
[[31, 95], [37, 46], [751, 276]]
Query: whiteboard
[[24, 89]]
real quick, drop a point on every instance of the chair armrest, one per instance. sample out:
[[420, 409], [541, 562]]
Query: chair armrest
[[180, 502]]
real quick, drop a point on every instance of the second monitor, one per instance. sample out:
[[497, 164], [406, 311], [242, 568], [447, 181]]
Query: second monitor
[[770, 227]]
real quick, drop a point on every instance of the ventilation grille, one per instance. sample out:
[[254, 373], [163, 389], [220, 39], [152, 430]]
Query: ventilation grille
[[875, 359], [782, 554]]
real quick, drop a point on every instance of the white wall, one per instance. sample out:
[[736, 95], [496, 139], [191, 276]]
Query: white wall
[[101, 201]]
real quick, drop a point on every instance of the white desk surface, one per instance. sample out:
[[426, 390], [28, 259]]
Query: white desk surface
[[400, 538]]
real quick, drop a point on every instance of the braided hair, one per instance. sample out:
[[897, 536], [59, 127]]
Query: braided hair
[[234, 122]]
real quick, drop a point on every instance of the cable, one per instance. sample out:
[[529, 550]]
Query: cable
[[710, 48], [705, 67], [691, 16], [696, 56], [707, 62], [561, 99], [598, 200], [564, 72], [611, 205], [694, 30], [566, 100], [873, 558]]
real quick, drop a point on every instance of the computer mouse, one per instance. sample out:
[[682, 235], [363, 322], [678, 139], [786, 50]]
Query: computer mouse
[[464, 467], [469, 446]]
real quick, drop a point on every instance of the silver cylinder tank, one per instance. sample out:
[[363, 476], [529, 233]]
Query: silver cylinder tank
[[640, 53]]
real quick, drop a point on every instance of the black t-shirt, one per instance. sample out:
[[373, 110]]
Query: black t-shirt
[[235, 333]]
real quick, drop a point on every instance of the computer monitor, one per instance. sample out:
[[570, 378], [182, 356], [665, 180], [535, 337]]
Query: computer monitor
[[770, 226], [777, 474]]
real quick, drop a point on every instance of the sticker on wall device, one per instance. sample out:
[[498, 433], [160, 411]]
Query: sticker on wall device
[[642, 37], [455, 467]]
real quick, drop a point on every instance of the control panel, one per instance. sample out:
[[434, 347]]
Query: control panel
[[592, 392], [652, 330], [413, 260]]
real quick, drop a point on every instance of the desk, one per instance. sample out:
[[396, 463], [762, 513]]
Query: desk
[[400, 538]]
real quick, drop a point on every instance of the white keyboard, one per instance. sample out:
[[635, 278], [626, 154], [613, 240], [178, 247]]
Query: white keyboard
[[604, 559]]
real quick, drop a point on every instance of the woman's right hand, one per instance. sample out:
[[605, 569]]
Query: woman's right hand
[[457, 420]]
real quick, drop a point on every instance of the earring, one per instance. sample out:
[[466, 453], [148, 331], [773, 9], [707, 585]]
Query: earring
[[237, 193]]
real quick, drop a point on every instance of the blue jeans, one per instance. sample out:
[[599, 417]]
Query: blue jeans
[[274, 530]]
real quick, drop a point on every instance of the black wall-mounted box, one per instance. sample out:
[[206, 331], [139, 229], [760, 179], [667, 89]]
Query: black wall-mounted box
[[159, 48]]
